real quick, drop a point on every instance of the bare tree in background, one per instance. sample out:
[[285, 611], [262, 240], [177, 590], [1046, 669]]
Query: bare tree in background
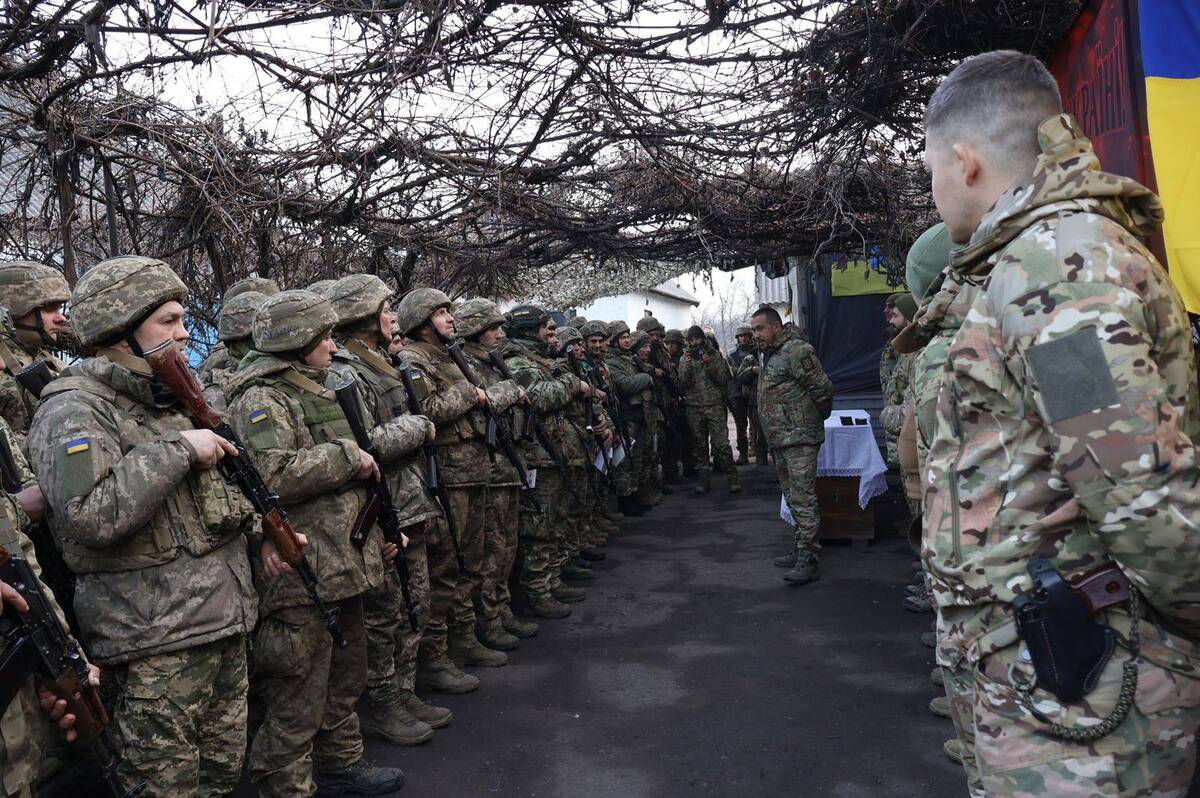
[[731, 310]]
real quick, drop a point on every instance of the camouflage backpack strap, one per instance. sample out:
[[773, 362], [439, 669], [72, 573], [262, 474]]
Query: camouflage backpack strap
[[384, 379], [322, 414], [8, 355], [360, 350]]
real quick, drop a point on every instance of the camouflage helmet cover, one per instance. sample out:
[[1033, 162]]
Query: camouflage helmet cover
[[251, 284], [577, 322], [26, 285], [417, 306], [675, 336], [237, 316], [566, 336], [744, 329], [475, 316], [320, 287], [594, 328], [292, 321], [638, 338], [617, 328], [118, 294], [358, 297], [649, 324]]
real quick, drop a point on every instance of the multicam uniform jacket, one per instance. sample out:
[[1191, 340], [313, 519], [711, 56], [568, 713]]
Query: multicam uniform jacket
[[794, 394], [705, 385], [159, 548], [1064, 426], [550, 386]]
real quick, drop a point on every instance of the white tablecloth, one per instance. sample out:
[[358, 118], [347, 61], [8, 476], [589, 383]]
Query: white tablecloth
[[849, 451]]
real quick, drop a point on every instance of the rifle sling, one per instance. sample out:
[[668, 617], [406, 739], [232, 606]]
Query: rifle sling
[[363, 353]]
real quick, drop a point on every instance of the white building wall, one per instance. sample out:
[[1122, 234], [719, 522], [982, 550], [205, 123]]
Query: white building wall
[[634, 305]]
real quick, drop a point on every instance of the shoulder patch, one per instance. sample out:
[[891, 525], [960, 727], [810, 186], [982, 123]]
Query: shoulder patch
[[255, 416], [1073, 375], [78, 446]]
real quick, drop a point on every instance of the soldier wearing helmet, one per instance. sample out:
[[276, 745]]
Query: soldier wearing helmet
[[448, 398], [633, 388], [251, 284], [233, 332], [297, 435], [740, 397], [147, 524], [605, 519], [532, 354], [479, 324], [35, 295], [705, 376], [391, 709]]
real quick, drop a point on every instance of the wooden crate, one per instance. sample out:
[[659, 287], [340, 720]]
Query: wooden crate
[[841, 518]]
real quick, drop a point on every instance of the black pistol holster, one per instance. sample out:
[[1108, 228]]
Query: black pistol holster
[[1068, 648]]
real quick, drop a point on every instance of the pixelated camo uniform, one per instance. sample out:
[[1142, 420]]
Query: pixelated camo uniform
[[1064, 430]]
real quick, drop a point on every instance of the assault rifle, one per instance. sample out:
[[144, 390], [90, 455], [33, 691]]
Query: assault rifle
[[433, 479], [589, 409], [168, 365], [539, 431], [387, 518], [614, 402], [35, 642], [498, 436]]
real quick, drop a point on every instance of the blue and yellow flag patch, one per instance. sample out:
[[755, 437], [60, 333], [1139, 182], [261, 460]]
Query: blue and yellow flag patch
[[256, 416], [78, 445]]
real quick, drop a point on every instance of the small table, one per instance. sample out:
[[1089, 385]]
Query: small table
[[850, 473]]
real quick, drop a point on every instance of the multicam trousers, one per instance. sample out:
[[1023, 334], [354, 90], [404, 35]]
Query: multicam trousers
[[500, 550], [180, 719], [540, 534], [709, 426], [960, 691], [391, 643], [308, 688], [629, 473], [797, 470], [1152, 753]]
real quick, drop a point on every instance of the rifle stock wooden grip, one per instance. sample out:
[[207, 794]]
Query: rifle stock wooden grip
[[82, 702], [280, 533], [168, 364]]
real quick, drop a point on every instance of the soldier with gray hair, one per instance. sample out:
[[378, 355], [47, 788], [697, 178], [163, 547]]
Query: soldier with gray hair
[[148, 525], [1062, 451]]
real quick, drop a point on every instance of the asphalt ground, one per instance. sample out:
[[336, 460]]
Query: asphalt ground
[[692, 669]]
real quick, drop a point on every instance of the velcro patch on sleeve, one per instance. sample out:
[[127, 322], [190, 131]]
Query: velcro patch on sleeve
[[76, 470], [1073, 375], [256, 416], [78, 446]]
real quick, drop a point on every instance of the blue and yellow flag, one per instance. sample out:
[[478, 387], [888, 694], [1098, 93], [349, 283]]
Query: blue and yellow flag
[[1170, 40]]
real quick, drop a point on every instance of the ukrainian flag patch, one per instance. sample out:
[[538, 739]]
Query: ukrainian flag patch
[[78, 445], [257, 415]]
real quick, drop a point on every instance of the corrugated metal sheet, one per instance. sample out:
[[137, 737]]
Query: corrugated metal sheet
[[773, 290]]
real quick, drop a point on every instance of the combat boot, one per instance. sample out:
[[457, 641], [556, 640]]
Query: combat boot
[[732, 481], [806, 569], [496, 637], [444, 676], [937, 677], [929, 639], [518, 626], [595, 553], [574, 573], [436, 717], [953, 749], [615, 517], [548, 607], [361, 778], [384, 716], [630, 506], [940, 706], [466, 650], [704, 485], [743, 459], [787, 560], [569, 595], [602, 526]]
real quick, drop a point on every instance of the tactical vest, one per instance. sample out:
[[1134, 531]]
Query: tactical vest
[[382, 378], [201, 515], [444, 374], [322, 414]]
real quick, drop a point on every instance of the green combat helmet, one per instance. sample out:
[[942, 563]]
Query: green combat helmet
[[237, 316], [674, 336], [928, 257], [593, 329], [251, 284], [475, 316], [524, 321], [637, 339], [25, 286], [293, 321], [567, 336], [649, 324], [576, 322], [358, 298], [321, 287], [616, 329], [744, 329], [116, 295], [417, 306]]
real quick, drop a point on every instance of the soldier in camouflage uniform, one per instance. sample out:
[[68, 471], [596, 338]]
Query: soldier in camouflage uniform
[[739, 403], [673, 435], [148, 524], [233, 331], [705, 376], [794, 398], [646, 461], [220, 359], [479, 323], [901, 310], [23, 723], [455, 562], [391, 710], [1063, 430], [297, 435], [605, 519], [531, 353], [34, 295], [632, 387]]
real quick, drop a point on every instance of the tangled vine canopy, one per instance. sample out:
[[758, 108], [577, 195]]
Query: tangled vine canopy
[[562, 149]]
